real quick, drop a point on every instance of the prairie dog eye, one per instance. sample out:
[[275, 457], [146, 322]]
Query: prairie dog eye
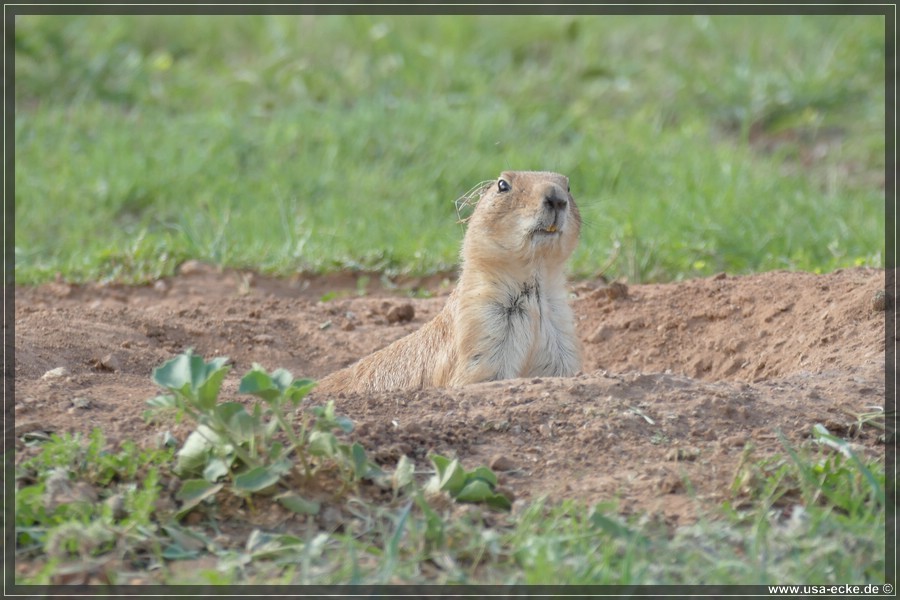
[[503, 185]]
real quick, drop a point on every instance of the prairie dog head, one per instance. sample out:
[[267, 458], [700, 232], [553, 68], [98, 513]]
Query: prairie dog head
[[523, 218]]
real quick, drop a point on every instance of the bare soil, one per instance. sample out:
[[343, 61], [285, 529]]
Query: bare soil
[[678, 378]]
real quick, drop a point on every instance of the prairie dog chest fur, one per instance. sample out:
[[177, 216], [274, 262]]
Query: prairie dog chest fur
[[525, 327], [509, 315]]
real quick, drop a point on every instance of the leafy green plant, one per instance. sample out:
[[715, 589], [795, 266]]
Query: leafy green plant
[[478, 485], [259, 450]]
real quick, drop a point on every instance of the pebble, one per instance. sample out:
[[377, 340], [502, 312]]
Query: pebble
[[400, 313], [881, 301], [110, 362], [80, 402], [194, 267], [55, 373], [501, 462]]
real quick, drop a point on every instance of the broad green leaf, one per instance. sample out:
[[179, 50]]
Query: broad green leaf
[[440, 463], [208, 388], [225, 410], [216, 468], [344, 423], [453, 479], [193, 455], [260, 384], [475, 491], [440, 467], [175, 373], [275, 450], [281, 467], [299, 389], [484, 474], [498, 501], [238, 423], [186, 539], [282, 378], [256, 479], [165, 401], [189, 375], [193, 492], [298, 504], [403, 473], [360, 462], [323, 443]]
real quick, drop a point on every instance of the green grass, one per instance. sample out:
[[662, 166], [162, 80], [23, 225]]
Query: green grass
[[330, 142]]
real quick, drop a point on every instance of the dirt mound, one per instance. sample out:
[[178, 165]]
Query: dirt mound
[[678, 377]]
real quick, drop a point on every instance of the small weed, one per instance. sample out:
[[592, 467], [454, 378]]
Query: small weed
[[246, 450], [77, 501], [465, 486]]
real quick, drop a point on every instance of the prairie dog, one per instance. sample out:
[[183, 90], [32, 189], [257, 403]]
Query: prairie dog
[[508, 315]]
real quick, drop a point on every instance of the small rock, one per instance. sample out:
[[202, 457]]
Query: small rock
[[400, 313], [55, 373], [325, 325], [79, 402], [719, 276], [116, 503], [881, 301], [616, 290], [161, 286], [264, 338], [194, 267], [110, 363], [23, 427], [501, 462], [348, 326]]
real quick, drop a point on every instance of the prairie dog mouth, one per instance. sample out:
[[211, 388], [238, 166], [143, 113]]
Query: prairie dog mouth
[[547, 230]]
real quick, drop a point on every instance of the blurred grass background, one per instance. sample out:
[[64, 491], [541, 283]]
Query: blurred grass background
[[694, 144]]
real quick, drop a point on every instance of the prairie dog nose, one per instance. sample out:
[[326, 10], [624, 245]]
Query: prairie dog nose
[[555, 198]]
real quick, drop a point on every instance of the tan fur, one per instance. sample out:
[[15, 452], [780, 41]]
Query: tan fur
[[508, 316]]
